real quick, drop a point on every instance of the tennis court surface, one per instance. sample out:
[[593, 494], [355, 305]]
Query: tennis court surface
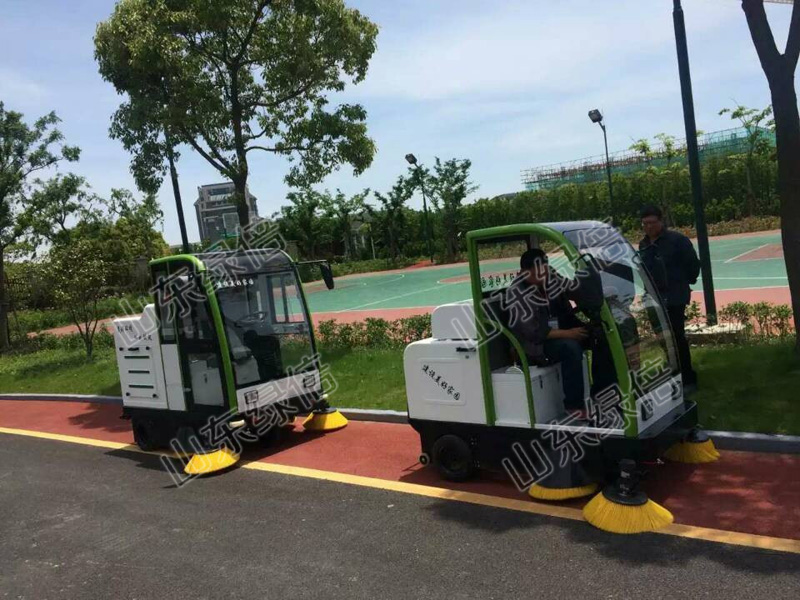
[[748, 267]]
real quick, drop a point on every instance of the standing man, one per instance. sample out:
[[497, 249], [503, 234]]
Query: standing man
[[673, 264]]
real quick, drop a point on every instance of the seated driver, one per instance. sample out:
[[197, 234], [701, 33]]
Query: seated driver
[[544, 322]]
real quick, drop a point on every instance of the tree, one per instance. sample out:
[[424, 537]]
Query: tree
[[391, 218], [246, 75], [24, 151], [79, 274], [669, 151], [780, 71], [301, 221], [58, 201], [343, 211], [642, 147], [151, 145], [754, 122], [450, 185]]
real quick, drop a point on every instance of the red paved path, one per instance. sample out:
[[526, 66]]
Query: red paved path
[[746, 492]]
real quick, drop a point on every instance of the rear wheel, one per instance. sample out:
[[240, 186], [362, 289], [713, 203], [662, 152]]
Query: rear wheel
[[453, 458], [143, 435]]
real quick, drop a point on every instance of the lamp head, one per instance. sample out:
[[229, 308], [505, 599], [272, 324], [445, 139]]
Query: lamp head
[[411, 159], [595, 116]]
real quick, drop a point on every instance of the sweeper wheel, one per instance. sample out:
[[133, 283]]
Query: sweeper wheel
[[453, 458], [143, 435]]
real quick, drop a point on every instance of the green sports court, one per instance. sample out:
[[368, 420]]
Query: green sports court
[[746, 267]]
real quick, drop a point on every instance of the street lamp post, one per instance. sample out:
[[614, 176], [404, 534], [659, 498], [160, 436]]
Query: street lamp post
[[597, 117], [412, 160], [693, 156]]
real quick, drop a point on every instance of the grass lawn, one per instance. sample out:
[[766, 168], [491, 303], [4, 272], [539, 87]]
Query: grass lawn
[[743, 388], [60, 371], [749, 388]]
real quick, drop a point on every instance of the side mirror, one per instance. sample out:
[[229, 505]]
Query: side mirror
[[327, 274]]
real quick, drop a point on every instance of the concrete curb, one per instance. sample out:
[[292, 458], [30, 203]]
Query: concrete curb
[[64, 398], [725, 440], [755, 442], [380, 416]]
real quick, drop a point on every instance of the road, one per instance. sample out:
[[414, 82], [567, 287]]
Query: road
[[86, 522]]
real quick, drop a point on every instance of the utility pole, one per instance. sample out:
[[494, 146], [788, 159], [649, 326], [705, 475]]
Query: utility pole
[[693, 156]]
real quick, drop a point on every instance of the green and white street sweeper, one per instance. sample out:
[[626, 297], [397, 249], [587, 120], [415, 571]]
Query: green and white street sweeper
[[477, 400], [228, 338]]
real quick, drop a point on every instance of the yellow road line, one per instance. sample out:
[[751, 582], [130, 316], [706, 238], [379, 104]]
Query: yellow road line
[[551, 510]]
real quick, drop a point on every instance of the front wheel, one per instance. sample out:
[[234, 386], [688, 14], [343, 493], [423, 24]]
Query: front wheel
[[453, 458]]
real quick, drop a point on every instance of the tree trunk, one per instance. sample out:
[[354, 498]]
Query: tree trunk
[[242, 208], [750, 194], [787, 137], [5, 343], [176, 191], [779, 70]]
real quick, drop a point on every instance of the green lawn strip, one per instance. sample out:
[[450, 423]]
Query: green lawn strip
[[742, 388], [749, 388], [60, 371], [367, 378]]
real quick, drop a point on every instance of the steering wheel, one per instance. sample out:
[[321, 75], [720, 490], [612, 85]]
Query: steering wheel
[[252, 318]]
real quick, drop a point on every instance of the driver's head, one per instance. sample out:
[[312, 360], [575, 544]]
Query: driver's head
[[533, 266]]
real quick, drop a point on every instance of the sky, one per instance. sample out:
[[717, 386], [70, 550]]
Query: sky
[[505, 84]]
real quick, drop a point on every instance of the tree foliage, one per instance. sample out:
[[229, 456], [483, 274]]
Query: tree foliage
[[449, 186], [79, 273], [235, 77], [391, 219], [25, 151], [343, 212]]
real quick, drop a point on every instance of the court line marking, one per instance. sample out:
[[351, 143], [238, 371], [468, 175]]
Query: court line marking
[[707, 534], [746, 252], [360, 306]]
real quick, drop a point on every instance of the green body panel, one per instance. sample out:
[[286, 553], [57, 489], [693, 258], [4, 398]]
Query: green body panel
[[216, 317], [310, 322], [609, 325]]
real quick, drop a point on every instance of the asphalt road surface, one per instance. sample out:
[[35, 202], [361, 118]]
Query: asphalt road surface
[[84, 522]]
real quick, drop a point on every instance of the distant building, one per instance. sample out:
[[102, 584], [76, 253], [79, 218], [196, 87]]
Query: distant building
[[216, 214]]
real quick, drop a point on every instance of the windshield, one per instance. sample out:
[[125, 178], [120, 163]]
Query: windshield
[[634, 305], [266, 326]]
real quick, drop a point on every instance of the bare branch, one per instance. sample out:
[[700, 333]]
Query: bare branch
[[762, 36], [251, 31], [793, 43]]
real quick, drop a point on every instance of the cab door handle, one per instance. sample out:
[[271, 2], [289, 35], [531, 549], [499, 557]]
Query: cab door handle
[[466, 349]]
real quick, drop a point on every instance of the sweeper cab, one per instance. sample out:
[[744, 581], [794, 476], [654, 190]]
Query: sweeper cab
[[477, 402], [228, 339]]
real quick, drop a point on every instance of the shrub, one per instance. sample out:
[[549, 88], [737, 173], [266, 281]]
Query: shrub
[[374, 333]]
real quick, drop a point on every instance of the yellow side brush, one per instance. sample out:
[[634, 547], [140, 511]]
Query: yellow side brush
[[325, 420], [211, 462], [609, 515], [697, 448], [540, 492]]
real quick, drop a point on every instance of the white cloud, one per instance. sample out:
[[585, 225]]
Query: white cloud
[[532, 48]]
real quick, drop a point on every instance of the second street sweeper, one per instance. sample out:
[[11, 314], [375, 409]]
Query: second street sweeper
[[479, 399], [228, 339]]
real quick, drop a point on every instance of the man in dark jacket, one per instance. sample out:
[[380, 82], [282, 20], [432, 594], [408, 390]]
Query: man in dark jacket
[[542, 319], [672, 262]]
